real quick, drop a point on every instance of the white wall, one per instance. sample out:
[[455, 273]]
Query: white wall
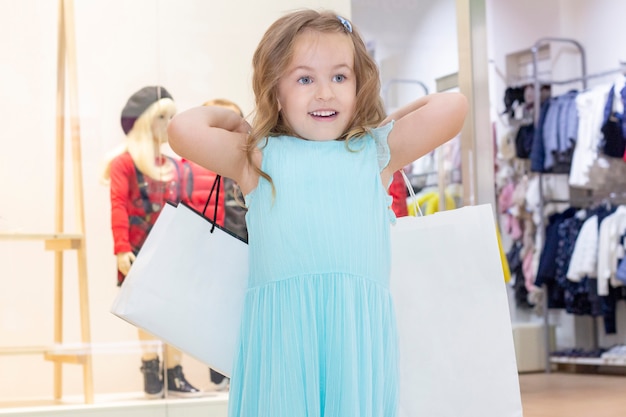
[[198, 50], [414, 40]]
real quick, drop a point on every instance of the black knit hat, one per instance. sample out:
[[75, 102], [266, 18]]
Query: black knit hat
[[139, 102]]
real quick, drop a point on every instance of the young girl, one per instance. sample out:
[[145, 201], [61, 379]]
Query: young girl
[[318, 335]]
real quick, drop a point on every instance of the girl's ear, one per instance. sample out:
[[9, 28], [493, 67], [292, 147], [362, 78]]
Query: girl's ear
[[280, 107]]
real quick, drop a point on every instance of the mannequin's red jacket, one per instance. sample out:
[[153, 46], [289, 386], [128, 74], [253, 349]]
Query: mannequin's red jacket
[[137, 200]]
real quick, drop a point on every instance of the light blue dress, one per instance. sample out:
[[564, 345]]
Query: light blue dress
[[318, 336]]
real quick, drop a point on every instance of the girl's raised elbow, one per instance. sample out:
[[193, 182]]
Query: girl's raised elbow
[[459, 103], [174, 134]]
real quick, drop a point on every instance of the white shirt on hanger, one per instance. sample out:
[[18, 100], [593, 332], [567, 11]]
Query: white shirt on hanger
[[610, 250], [584, 260], [590, 105]]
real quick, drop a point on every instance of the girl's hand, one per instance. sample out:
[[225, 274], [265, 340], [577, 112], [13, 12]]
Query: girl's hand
[[213, 137], [124, 262], [244, 127]]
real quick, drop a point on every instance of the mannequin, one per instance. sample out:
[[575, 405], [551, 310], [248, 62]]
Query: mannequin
[[141, 182]]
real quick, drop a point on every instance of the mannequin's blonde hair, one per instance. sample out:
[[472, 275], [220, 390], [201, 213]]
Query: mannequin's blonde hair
[[224, 102], [140, 144]]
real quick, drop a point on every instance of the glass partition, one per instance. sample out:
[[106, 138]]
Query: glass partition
[[84, 84]]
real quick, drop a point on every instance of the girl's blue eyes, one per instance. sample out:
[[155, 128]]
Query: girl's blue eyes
[[308, 80]]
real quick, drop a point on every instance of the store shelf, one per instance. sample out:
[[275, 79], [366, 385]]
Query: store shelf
[[55, 353], [589, 361], [39, 236], [23, 350], [127, 404]]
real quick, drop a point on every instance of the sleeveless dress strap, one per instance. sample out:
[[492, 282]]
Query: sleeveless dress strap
[[380, 135]]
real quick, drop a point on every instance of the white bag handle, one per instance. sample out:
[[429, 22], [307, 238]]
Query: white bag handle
[[412, 194]]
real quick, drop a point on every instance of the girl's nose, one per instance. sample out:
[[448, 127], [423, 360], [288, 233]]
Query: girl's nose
[[324, 91]]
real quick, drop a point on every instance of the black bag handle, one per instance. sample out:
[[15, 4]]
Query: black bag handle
[[215, 188]]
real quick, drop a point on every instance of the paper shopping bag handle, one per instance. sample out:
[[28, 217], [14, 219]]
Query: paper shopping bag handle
[[215, 188], [411, 193]]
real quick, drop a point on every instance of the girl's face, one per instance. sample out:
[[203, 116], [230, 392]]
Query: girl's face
[[317, 92], [159, 126]]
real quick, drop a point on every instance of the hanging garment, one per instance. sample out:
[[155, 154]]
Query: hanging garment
[[586, 157], [613, 143]]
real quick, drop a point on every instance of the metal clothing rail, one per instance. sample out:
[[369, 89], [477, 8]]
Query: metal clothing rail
[[592, 200], [393, 81], [538, 82]]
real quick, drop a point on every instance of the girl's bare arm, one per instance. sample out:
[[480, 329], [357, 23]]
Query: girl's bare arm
[[213, 137], [422, 126]]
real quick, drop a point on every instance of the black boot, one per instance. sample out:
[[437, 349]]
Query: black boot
[[221, 382], [177, 385], [152, 382]]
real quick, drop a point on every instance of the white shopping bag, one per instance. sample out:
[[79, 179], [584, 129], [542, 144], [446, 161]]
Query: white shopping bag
[[187, 286], [457, 356], [157, 233]]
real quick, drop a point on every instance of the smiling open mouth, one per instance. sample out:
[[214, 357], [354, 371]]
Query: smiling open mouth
[[323, 113]]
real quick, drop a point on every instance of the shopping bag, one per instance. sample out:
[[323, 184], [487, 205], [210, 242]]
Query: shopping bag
[[187, 286], [157, 233], [457, 356]]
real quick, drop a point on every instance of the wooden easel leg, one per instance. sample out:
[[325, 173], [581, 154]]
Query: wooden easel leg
[[85, 323], [70, 45], [66, 61], [58, 321], [59, 196]]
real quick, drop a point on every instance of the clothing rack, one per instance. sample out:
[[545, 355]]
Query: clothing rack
[[414, 177], [538, 82], [597, 199], [393, 81]]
